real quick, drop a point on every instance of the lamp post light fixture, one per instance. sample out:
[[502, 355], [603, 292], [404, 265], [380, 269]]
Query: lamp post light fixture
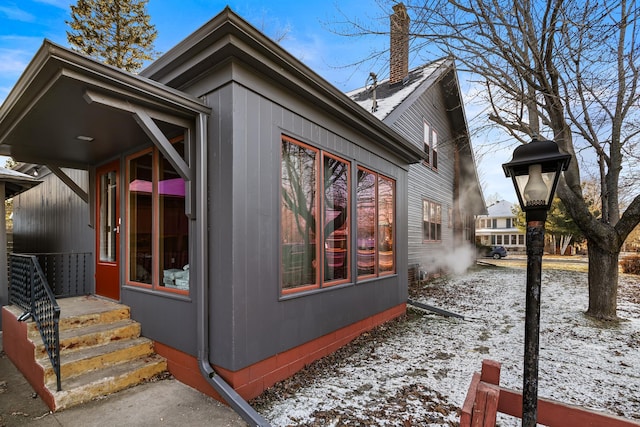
[[535, 170]]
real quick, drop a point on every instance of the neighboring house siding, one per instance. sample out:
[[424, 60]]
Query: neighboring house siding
[[244, 253], [426, 183], [52, 218]]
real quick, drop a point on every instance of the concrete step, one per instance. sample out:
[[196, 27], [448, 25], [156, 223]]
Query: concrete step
[[101, 352], [85, 311], [88, 386], [95, 334], [88, 359]]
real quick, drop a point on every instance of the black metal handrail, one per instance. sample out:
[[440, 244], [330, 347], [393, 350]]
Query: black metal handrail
[[29, 290], [66, 273]]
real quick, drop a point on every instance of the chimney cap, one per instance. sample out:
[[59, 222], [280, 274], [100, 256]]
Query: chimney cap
[[400, 9]]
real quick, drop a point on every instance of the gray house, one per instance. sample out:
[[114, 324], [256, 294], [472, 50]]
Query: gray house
[[425, 106], [252, 216]]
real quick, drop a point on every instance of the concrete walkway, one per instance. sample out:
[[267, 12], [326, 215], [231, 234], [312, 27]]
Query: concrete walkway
[[161, 403]]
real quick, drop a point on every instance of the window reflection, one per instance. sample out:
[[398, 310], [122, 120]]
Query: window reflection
[[336, 219], [140, 218], [386, 214], [173, 227], [298, 215], [366, 209], [158, 237]]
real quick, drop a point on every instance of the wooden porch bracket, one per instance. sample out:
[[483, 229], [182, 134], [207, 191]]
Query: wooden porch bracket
[[160, 140], [486, 398], [145, 119]]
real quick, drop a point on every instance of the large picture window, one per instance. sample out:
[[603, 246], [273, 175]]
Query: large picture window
[[158, 228], [315, 206], [376, 219], [431, 221]]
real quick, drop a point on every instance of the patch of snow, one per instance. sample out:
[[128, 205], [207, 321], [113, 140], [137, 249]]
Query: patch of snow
[[385, 105], [582, 361]]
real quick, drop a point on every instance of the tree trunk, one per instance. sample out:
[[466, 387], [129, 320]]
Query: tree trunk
[[603, 282]]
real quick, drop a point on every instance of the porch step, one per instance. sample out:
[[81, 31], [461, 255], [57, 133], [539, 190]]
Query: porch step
[[101, 352], [86, 387], [89, 359], [93, 335], [83, 311]]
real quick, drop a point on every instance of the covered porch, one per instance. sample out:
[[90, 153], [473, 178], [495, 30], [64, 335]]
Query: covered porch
[[129, 136], [69, 111]]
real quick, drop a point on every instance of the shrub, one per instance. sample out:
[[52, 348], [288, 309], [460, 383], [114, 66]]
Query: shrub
[[631, 264]]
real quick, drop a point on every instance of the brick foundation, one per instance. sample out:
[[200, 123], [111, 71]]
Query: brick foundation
[[251, 381], [20, 350]]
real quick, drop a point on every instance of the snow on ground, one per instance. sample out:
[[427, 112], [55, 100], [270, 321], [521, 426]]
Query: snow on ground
[[418, 373]]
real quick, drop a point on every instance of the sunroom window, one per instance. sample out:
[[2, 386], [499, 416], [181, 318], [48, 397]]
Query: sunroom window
[[158, 228], [315, 207], [376, 219]]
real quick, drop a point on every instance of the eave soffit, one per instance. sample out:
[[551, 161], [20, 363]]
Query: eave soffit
[[49, 106]]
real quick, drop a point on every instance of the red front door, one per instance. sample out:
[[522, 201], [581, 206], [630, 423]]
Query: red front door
[[108, 231]]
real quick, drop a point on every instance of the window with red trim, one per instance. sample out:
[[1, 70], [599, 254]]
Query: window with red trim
[[158, 228], [314, 219], [375, 206]]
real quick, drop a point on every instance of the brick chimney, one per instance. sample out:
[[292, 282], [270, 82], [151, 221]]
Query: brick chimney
[[399, 46]]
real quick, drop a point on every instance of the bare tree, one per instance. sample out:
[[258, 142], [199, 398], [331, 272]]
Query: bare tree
[[563, 69]]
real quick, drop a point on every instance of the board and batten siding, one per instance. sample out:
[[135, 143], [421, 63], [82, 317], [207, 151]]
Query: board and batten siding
[[426, 182], [52, 218], [250, 319]]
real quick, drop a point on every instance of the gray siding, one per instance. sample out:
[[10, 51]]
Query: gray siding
[[250, 320], [424, 181], [52, 218]]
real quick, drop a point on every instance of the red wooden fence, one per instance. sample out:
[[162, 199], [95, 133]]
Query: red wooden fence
[[486, 398]]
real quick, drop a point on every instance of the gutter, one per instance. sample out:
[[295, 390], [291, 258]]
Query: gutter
[[202, 301], [433, 309]]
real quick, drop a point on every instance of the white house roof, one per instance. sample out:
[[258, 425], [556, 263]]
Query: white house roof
[[501, 209]]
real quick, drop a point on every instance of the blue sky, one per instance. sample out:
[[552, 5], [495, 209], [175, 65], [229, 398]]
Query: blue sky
[[24, 24]]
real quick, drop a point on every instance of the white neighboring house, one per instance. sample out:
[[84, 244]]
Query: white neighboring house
[[498, 228]]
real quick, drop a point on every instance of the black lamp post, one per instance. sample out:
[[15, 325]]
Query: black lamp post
[[535, 169]]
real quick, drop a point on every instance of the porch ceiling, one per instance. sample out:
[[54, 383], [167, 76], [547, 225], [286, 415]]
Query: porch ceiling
[[49, 108]]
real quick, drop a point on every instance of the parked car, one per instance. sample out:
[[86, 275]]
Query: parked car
[[497, 252]]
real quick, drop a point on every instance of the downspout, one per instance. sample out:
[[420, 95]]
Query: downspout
[[202, 301]]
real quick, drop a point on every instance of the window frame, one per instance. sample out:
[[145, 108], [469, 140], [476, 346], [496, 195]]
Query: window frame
[[393, 270], [429, 208], [320, 241], [426, 135], [156, 164], [434, 149], [376, 263], [347, 223]]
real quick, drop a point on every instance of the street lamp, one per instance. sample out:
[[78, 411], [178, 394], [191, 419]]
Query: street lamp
[[535, 169]]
